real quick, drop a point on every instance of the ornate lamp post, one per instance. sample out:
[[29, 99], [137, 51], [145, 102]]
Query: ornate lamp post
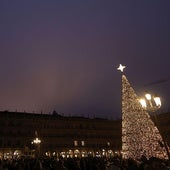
[[152, 103], [37, 143]]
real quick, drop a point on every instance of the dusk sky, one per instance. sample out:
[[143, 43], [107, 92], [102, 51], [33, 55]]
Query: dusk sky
[[62, 54]]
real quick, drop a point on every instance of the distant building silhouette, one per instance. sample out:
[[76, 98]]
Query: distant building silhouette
[[61, 135]]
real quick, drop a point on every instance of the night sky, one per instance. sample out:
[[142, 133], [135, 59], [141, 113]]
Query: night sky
[[62, 54]]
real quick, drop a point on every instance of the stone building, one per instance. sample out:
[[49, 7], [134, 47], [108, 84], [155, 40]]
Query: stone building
[[59, 135]]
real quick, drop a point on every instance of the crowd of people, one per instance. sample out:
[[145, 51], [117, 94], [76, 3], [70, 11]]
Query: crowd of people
[[86, 163]]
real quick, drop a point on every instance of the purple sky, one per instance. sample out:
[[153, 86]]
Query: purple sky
[[62, 54]]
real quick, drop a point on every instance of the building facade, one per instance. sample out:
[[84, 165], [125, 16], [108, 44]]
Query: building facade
[[57, 135]]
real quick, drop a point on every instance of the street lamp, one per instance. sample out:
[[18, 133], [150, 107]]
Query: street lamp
[[152, 103], [37, 143]]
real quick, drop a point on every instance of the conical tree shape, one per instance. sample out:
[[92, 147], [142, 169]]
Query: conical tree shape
[[140, 136]]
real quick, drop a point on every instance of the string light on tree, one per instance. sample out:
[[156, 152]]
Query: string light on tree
[[140, 136]]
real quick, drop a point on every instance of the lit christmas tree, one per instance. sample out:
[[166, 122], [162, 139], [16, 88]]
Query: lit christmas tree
[[140, 136]]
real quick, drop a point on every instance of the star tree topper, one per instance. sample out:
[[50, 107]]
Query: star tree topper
[[121, 67]]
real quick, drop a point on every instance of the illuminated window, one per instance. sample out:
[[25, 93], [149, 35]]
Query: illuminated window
[[75, 143], [82, 143], [108, 143]]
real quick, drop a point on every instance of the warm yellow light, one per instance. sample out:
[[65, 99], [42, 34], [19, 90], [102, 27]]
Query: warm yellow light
[[148, 96], [36, 141], [143, 103], [157, 101]]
